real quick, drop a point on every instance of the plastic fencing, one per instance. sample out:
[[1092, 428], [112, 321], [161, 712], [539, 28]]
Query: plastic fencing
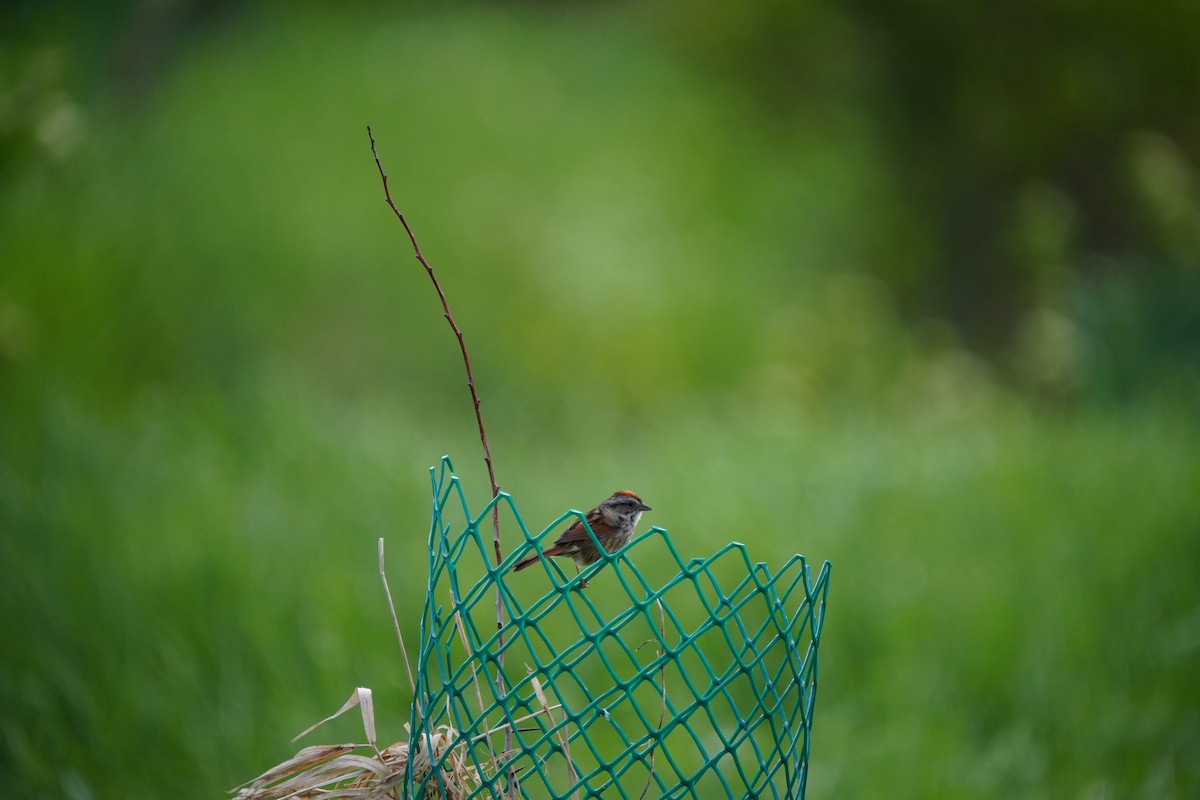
[[666, 678]]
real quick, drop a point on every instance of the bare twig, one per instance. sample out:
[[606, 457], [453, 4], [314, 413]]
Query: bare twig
[[487, 451], [462, 345]]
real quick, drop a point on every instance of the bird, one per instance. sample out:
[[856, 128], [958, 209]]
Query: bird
[[613, 522]]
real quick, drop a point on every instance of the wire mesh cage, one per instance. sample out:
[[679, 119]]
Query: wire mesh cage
[[667, 678]]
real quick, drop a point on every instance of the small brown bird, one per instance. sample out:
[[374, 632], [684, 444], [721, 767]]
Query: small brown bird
[[613, 522]]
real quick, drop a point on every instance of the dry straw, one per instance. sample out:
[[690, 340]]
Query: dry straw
[[364, 772]]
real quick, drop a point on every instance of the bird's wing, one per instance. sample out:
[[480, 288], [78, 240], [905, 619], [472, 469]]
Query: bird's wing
[[575, 534]]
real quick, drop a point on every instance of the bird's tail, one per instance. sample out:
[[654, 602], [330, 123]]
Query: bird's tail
[[525, 562]]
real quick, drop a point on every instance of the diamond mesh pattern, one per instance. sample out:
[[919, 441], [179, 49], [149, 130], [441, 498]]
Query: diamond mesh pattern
[[666, 678]]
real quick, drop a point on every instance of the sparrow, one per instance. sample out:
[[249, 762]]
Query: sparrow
[[613, 522]]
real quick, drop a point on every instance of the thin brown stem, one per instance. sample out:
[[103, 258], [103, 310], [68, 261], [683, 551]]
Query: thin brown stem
[[487, 451], [462, 345]]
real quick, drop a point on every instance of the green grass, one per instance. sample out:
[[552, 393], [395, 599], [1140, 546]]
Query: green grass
[[223, 378]]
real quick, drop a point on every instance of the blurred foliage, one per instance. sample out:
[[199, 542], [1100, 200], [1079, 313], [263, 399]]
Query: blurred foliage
[[1037, 146], [913, 287]]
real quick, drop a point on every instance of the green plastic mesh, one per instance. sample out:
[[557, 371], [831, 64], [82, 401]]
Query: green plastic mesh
[[666, 678]]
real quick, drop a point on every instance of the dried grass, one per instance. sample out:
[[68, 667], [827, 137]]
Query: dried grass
[[333, 772], [344, 771], [364, 772], [444, 765]]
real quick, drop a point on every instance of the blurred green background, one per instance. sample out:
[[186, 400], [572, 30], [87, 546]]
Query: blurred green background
[[910, 286]]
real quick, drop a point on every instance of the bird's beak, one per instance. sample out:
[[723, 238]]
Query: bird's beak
[[645, 507]]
